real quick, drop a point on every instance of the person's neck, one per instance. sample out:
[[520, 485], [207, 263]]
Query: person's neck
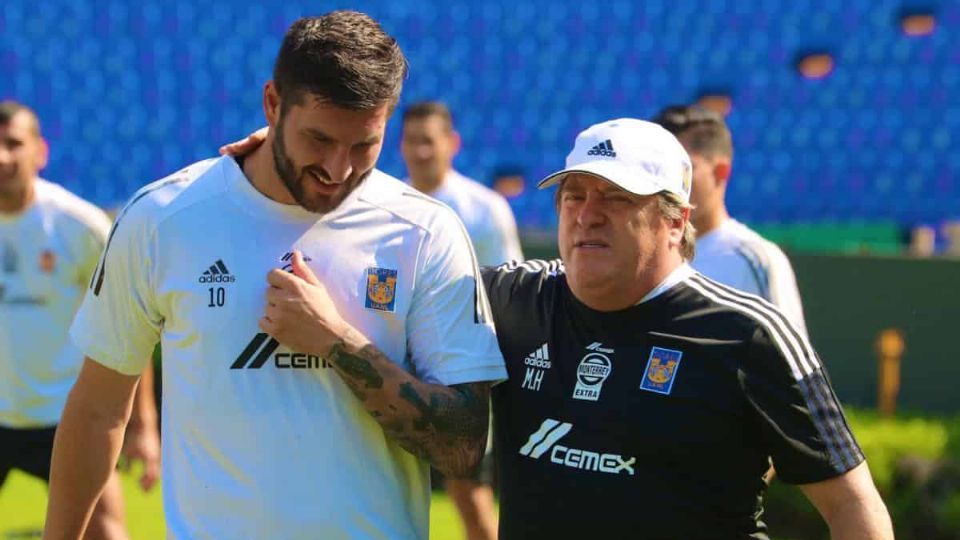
[[710, 222], [615, 298], [259, 168], [18, 201], [429, 185]]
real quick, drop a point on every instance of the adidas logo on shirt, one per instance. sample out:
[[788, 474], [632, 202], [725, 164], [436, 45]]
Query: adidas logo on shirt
[[217, 273], [537, 362], [539, 358], [603, 149]]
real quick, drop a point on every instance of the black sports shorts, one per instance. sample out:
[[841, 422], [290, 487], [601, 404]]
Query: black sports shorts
[[29, 450]]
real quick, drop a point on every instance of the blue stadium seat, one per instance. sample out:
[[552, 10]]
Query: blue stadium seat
[[129, 92]]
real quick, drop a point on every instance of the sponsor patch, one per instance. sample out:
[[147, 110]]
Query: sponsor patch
[[381, 289], [661, 371], [48, 261], [593, 370]]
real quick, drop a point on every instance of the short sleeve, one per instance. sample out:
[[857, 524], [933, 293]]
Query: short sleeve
[[502, 241], [800, 418], [118, 323], [451, 336]]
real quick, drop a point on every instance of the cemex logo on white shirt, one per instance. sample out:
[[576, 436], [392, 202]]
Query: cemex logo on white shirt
[[545, 440]]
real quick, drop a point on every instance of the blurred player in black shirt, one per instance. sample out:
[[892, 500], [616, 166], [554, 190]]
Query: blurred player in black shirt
[[644, 400]]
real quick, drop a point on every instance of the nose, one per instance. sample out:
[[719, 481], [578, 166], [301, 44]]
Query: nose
[[6, 156], [423, 151], [337, 164], [590, 213]]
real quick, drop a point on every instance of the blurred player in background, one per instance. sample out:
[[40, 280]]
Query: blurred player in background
[[267, 435], [644, 400], [429, 145], [728, 251], [50, 242]]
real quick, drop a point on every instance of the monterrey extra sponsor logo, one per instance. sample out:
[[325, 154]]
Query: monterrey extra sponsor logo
[[593, 370]]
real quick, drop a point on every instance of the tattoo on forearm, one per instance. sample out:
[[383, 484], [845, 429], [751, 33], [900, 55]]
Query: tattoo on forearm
[[446, 425], [410, 395], [356, 367]]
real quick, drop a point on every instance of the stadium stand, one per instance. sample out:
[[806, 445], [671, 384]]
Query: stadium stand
[[130, 91]]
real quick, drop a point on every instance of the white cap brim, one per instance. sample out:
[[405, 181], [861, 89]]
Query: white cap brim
[[631, 179]]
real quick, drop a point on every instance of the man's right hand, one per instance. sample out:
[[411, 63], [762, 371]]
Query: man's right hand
[[246, 145]]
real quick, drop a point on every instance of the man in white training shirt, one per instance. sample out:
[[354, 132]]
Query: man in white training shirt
[[266, 436], [429, 145], [50, 242], [727, 250]]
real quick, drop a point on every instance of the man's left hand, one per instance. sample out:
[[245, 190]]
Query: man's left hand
[[142, 444]]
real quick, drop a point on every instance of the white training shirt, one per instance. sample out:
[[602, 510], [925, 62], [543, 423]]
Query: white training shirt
[[736, 256], [487, 216], [47, 254], [259, 441]]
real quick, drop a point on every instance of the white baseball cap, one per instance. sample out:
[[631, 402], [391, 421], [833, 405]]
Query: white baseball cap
[[640, 157]]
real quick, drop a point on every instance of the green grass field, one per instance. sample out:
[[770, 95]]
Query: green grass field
[[23, 501]]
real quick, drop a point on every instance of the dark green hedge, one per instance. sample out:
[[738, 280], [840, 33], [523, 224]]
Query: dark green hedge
[[915, 461]]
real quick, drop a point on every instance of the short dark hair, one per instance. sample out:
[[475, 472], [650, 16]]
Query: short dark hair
[[343, 58], [426, 109], [10, 108], [707, 133]]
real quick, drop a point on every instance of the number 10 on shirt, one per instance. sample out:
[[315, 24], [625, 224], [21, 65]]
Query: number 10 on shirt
[[218, 297]]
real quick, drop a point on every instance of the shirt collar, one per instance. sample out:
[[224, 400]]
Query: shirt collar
[[679, 274]]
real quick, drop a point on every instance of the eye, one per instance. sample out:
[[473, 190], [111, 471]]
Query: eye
[[572, 196], [617, 197], [319, 140], [362, 148]]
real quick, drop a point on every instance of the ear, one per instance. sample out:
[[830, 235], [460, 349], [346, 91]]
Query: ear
[[455, 141], [721, 169], [271, 104], [677, 226], [43, 153]]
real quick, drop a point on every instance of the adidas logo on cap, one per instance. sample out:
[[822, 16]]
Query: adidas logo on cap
[[648, 159], [217, 273], [603, 149]]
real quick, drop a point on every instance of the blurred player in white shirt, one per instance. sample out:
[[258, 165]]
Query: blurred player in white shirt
[[429, 145], [728, 251], [269, 434], [50, 242]]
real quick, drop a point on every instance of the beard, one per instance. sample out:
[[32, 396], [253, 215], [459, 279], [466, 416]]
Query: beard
[[295, 181]]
